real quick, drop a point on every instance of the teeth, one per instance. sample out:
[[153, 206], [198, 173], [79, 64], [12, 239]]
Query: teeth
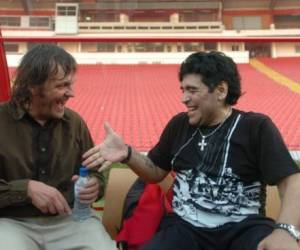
[[60, 103]]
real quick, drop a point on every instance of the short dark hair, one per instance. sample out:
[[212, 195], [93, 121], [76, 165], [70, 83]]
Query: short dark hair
[[37, 66], [214, 67]]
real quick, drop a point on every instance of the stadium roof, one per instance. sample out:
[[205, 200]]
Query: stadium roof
[[29, 5]]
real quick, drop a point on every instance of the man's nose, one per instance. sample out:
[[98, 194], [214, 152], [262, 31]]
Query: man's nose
[[70, 92], [185, 97]]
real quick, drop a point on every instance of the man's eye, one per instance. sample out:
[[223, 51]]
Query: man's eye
[[191, 91]]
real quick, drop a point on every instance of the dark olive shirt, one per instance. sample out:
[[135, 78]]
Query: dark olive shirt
[[28, 151]]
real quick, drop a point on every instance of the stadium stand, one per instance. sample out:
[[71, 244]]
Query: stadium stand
[[288, 66], [150, 38], [138, 100]]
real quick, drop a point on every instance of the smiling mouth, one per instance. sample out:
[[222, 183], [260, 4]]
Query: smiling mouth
[[61, 104], [191, 109]]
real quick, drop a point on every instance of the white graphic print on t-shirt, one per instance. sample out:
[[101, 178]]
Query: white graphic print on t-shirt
[[201, 200], [209, 196]]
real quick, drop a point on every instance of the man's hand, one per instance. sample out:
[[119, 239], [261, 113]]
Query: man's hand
[[113, 149], [278, 240], [47, 199], [89, 193]]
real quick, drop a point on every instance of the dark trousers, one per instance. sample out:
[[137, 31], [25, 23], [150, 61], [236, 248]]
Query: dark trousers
[[177, 234]]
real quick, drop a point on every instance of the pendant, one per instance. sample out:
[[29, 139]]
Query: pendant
[[202, 144]]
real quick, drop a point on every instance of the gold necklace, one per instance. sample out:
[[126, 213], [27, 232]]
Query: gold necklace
[[203, 143]]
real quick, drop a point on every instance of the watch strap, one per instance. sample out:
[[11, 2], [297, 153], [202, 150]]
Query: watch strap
[[129, 152], [291, 229]]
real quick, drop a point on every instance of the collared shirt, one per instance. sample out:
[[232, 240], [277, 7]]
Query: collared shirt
[[50, 154]]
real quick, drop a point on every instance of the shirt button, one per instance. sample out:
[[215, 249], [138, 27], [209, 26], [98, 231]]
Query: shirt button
[[43, 149]]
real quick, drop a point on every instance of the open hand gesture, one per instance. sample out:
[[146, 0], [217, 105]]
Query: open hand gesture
[[112, 149]]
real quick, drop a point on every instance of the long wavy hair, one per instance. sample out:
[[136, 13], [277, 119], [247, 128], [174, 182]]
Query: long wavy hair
[[38, 65]]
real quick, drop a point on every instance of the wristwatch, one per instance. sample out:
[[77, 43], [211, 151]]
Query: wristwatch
[[291, 229]]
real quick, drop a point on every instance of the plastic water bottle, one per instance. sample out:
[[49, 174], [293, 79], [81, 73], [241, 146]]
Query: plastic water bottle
[[81, 211]]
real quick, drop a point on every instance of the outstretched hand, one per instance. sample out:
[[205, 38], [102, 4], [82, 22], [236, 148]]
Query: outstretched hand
[[112, 149]]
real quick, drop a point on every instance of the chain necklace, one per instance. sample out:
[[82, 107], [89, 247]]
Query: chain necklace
[[203, 143]]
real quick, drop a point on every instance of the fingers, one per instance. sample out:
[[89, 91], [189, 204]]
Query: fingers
[[91, 153], [91, 163], [47, 199], [74, 178], [90, 192], [52, 209], [54, 205], [108, 129], [93, 181], [44, 207], [104, 166], [89, 198], [59, 205], [63, 207], [104, 154], [94, 158]]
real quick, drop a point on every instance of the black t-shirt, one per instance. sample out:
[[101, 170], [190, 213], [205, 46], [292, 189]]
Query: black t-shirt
[[222, 178]]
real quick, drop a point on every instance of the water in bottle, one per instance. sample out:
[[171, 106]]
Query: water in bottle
[[81, 211]]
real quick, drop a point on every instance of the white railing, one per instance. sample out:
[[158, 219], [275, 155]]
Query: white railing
[[134, 58], [98, 27]]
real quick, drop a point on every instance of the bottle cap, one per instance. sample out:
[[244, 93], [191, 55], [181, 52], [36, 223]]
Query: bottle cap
[[83, 171]]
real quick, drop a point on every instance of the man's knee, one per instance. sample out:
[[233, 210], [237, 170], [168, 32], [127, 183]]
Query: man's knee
[[98, 237], [13, 236]]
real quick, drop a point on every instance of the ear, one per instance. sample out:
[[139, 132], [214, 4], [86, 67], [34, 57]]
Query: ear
[[34, 90], [222, 90]]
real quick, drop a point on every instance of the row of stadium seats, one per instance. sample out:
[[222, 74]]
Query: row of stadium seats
[[138, 100]]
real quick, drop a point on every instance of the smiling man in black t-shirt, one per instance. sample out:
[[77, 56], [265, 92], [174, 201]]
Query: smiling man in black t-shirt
[[223, 159]]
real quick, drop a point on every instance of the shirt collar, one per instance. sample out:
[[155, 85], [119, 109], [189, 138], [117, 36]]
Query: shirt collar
[[17, 111]]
